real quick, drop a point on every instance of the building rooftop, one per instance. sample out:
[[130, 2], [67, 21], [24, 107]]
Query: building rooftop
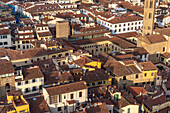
[[147, 66], [166, 55], [164, 31], [122, 43], [32, 73], [150, 102], [16, 54], [5, 32], [152, 39], [56, 90], [96, 75], [44, 34], [6, 67], [135, 91], [38, 105], [57, 76]]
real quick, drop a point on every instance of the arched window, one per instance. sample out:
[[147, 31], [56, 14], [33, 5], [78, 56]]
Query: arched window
[[7, 87]]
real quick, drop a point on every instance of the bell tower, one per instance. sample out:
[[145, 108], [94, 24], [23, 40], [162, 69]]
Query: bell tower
[[148, 18], [7, 77]]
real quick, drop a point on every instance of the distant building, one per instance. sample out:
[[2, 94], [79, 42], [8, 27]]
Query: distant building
[[17, 102], [5, 38], [7, 80], [149, 16], [30, 80], [62, 29], [65, 97]]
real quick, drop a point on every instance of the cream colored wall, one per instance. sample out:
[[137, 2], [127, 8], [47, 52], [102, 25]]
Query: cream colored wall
[[46, 37], [30, 85], [21, 62], [101, 45], [19, 42], [110, 108], [63, 53], [133, 108], [46, 95], [53, 107]]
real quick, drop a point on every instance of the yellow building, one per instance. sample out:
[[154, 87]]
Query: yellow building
[[149, 71], [92, 72], [129, 72], [17, 101]]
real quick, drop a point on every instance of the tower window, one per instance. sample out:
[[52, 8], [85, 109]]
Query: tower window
[[145, 15], [151, 4], [150, 15], [146, 4], [149, 28]]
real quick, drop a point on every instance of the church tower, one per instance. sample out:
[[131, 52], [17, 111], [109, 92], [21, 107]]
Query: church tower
[[148, 18]]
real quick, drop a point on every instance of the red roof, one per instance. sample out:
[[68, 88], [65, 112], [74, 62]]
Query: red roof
[[136, 90]]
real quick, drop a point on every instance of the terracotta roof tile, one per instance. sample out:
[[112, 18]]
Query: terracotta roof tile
[[121, 103], [16, 54], [44, 34], [32, 73], [148, 66], [136, 90], [122, 43], [38, 105], [96, 75], [98, 109], [151, 39], [66, 88], [137, 51], [127, 35], [164, 31], [5, 32], [46, 65], [150, 102], [166, 55], [6, 67]]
